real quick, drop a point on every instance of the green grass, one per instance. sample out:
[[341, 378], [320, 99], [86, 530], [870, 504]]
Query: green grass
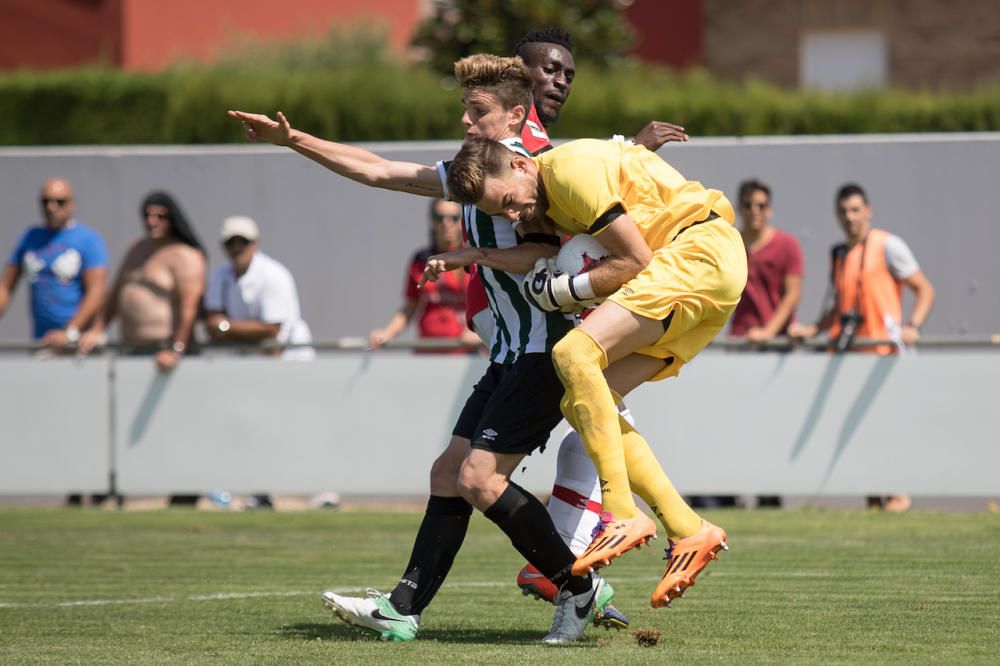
[[804, 586]]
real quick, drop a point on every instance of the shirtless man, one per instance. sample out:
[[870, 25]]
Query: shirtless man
[[158, 287]]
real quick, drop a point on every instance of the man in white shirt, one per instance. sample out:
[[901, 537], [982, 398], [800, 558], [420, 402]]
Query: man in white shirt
[[254, 298]]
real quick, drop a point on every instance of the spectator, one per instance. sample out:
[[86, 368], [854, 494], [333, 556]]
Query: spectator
[[66, 264], [867, 275], [254, 299], [774, 260], [158, 289], [442, 303]]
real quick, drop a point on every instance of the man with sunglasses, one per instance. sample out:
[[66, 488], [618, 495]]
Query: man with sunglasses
[[66, 265], [439, 306], [254, 299]]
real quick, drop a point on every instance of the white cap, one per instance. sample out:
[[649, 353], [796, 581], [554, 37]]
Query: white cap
[[239, 225]]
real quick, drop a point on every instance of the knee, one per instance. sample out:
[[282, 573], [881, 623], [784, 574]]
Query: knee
[[470, 484], [577, 353], [444, 471], [566, 407], [561, 355]]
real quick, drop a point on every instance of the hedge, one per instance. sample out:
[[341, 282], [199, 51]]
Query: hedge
[[386, 101]]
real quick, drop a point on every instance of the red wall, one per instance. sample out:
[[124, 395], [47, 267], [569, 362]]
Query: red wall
[[670, 31], [44, 34], [157, 32], [149, 34]]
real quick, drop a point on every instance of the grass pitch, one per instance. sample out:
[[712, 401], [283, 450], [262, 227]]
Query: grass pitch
[[803, 586]]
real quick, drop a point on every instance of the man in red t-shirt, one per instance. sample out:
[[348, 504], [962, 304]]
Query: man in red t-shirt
[[441, 304], [774, 262]]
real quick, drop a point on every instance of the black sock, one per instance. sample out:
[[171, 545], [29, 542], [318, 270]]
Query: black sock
[[525, 520], [438, 541]]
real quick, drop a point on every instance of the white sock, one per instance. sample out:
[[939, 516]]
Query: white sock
[[575, 505]]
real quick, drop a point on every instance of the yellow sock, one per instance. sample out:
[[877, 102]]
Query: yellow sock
[[591, 409], [651, 483]]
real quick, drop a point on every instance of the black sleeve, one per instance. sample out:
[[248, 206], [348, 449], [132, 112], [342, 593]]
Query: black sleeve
[[538, 237], [607, 218]]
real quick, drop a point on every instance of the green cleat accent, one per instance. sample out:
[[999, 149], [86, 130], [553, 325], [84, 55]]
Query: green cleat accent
[[373, 612], [605, 614]]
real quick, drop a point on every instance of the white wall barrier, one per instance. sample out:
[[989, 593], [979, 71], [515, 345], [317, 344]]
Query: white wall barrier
[[371, 424]]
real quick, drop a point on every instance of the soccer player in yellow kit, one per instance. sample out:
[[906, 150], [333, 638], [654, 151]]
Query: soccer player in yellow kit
[[676, 270]]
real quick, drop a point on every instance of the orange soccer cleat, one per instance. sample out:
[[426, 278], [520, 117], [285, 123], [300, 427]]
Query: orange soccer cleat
[[534, 583], [612, 538], [686, 558]]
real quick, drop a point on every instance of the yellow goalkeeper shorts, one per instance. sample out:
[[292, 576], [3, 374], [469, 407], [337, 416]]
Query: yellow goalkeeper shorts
[[692, 285]]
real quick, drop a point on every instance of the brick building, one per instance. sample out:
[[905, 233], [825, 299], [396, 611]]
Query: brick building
[[917, 44]]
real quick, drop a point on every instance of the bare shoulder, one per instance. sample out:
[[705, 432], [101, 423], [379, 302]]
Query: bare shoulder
[[184, 258], [185, 253]]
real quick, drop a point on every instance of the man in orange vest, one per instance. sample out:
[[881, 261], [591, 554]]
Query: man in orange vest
[[868, 273]]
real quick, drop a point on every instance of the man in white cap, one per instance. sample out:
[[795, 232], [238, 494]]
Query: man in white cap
[[254, 299]]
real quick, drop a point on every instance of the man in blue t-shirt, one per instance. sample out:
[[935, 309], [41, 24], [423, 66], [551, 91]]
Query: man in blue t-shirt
[[66, 264]]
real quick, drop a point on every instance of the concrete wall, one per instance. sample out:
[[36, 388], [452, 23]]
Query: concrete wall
[[347, 245], [804, 424]]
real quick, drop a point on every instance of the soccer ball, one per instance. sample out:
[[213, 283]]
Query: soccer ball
[[580, 254]]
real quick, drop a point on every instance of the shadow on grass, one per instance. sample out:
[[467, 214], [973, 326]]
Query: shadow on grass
[[340, 632]]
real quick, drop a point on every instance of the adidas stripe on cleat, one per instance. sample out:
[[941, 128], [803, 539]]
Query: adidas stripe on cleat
[[613, 538], [686, 558]]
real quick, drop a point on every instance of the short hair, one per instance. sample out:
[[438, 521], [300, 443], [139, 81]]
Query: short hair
[[748, 187], [507, 79], [478, 160], [548, 35], [849, 190]]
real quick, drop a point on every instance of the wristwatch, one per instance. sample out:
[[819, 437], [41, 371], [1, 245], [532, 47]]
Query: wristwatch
[[178, 347], [223, 326], [72, 334]]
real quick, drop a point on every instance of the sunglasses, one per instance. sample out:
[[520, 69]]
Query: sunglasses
[[159, 216], [438, 217], [45, 201], [755, 206], [236, 241]]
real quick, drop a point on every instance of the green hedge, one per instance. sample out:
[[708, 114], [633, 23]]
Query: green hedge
[[384, 101]]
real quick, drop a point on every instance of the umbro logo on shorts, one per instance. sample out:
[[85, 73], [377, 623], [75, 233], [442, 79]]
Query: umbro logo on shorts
[[490, 434]]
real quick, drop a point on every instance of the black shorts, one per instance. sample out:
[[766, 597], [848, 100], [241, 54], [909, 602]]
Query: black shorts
[[513, 408]]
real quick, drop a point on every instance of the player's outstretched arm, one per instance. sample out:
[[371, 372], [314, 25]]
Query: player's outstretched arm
[[358, 164], [657, 132], [519, 259]]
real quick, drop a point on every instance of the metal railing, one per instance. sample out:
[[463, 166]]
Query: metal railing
[[360, 344]]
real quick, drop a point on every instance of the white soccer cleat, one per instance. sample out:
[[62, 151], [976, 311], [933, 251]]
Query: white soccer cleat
[[574, 613], [373, 612]]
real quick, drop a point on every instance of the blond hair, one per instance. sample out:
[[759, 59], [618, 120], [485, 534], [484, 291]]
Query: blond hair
[[506, 79], [478, 160]]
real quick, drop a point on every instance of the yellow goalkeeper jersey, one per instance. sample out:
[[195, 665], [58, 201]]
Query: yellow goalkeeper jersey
[[589, 181]]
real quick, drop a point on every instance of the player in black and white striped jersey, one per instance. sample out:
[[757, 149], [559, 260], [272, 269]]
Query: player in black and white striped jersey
[[513, 407]]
